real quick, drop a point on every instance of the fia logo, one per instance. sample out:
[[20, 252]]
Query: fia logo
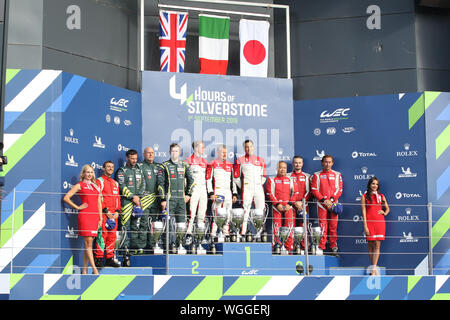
[[182, 95]]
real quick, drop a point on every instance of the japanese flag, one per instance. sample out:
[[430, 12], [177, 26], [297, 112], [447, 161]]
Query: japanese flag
[[254, 38]]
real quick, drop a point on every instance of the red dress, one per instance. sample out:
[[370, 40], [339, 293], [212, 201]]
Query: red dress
[[89, 217], [375, 221]]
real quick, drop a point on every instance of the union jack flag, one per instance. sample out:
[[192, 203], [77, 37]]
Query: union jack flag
[[172, 40]]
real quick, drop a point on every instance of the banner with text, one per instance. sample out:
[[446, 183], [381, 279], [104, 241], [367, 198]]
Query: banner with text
[[226, 110]]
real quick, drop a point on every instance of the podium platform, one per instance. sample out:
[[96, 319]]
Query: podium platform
[[234, 259]]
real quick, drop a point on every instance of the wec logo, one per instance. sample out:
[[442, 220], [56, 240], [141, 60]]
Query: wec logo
[[341, 112]]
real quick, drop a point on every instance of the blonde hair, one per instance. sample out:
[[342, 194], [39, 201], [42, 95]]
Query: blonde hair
[[83, 171]]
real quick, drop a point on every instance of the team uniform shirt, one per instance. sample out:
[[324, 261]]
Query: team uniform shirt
[[219, 178], [250, 176], [283, 190], [199, 199], [110, 196], [327, 185]]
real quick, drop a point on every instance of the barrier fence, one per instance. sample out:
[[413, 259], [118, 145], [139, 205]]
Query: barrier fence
[[8, 230]]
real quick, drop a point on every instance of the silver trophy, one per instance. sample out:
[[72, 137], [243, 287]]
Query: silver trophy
[[200, 234], [258, 219], [284, 234], [237, 219], [316, 233], [158, 229], [180, 232], [298, 236], [221, 219]]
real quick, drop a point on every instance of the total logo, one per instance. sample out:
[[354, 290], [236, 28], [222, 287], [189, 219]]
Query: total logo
[[364, 175], [400, 195], [408, 216], [408, 238], [335, 116], [98, 143], [118, 105], [67, 185], [71, 162], [407, 152], [406, 173], [121, 147], [96, 165], [71, 138], [357, 154]]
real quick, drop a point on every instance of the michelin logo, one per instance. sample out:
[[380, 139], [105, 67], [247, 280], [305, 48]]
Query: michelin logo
[[98, 143], [71, 162], [406, 173]]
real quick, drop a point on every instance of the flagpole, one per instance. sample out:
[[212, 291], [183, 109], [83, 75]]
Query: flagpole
[[215, 10], [251, 4]]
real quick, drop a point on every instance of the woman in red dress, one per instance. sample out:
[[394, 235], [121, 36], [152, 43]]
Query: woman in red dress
[[90, 213], [372, 203]]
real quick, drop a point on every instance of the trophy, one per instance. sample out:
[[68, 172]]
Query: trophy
[[200, 233], [180, 233], [158, 229], [221, 219], [298, 236], [276, 247], [316, 233], [237, 219], [258, 220], [284, 234]]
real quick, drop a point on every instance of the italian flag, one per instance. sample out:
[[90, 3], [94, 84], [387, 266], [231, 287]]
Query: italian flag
[[213, 44]]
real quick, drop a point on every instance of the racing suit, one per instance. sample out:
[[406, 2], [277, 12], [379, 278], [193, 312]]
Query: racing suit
[[283, 190], [249, 176], [110, 195], [303, 180], [219, 178], [327, 185], [151, 200], [131, 183], [199, 198]]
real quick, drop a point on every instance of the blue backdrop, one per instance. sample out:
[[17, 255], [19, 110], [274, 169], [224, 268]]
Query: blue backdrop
[[370, 136]]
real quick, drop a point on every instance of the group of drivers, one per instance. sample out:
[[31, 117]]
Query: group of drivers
[[147, 190]]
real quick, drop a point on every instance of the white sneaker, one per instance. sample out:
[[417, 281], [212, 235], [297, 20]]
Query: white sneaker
[[319, 252]]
